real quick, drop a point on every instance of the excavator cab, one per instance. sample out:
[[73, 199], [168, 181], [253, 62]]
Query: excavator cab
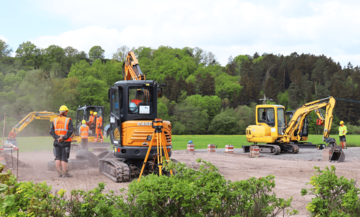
[[133, 107], [270, 124], [83, 113]]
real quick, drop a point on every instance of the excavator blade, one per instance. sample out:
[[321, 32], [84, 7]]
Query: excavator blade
[[303, 145]]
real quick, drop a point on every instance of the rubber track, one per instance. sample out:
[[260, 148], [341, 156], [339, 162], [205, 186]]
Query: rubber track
[[296, 148], [276, 147], [116, 170]]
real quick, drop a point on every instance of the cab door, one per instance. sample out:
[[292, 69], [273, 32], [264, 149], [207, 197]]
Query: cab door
[[115, 116]]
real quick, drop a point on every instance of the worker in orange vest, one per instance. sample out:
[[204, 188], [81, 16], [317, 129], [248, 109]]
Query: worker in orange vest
[[98, 128], [84, 134], [92, 122], [61, 130]]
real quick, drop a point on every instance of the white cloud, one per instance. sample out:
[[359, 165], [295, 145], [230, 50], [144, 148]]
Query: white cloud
[[3, 38], [82, 39], [222, 27]]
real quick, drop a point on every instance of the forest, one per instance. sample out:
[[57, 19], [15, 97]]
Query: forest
[[200, 95]]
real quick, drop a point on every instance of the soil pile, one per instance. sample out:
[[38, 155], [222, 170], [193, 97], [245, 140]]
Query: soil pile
[[9, 161]]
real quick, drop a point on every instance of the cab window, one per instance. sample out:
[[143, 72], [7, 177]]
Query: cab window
[[140, 100], [115, 106], [80, 116], [266, 115]]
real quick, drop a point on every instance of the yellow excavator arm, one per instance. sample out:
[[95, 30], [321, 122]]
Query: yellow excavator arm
[[297, 120], [132, 68], [44, 115]]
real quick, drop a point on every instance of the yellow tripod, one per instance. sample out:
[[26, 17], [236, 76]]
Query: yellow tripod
[[157, 124]]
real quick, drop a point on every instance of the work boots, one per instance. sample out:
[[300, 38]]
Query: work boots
[[60, 173], [66, 174]]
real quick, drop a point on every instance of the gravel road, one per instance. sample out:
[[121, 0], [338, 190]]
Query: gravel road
[[352, 153]]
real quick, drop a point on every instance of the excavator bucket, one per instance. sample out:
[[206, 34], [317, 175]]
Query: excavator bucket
[[337, 154]]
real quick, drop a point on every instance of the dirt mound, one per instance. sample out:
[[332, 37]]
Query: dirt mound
[[9, 160]]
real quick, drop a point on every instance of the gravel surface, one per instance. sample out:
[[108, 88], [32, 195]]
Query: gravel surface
[[352, 153]]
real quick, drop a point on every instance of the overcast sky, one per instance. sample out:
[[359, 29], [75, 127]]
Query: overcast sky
[[226, 28]]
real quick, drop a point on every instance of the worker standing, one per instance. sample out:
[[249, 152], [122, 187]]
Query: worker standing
[[98, 128], [92, 122], [342, 134], [61, 130], [84, 134]]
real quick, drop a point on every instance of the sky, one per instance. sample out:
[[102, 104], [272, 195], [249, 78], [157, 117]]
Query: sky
[[225, 27]]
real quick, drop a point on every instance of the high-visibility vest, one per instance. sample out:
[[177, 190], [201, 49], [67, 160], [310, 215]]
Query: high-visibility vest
[[342, 130], [91, 119], [84, 131], [136, 101], [61, 126], [99, 121]]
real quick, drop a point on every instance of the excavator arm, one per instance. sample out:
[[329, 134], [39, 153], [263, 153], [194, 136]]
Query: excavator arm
[[44, 115], [132, 68], [297, 120]]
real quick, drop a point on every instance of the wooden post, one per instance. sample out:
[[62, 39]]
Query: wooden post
[[3, 130]]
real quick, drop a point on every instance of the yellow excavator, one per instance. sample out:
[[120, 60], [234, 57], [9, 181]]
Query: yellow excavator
[[44, 115], [81, 114], [133, 110], [275, 135]]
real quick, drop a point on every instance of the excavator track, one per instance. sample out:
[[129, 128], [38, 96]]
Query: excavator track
[[289, 148], [269, 148], [115, 169]]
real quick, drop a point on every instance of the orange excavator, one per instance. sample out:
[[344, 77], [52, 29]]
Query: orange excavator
[[133, 110]]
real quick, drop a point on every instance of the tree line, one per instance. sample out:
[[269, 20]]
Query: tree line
[[200, 96]]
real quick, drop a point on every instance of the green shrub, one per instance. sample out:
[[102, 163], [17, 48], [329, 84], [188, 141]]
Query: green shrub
[[20, 199], [204, 193], [95, 203], [334, 196], [190, 192]]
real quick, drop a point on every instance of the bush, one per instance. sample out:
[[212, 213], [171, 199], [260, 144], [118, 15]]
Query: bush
[[353, 129], [95, 203], [204, 193], [334, 196], [20, 199]]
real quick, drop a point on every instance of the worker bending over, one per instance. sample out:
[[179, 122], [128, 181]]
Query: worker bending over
[[92, 122], [84, 134], [98, 128], [342, 134], [61, 130]]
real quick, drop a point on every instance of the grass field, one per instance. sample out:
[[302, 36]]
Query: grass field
[[27, 144]]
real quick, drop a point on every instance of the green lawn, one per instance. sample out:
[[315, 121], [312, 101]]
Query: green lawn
[[27, 144]]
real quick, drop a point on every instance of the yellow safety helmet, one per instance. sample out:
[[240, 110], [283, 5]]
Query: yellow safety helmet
[[83, 121], [91, 112], [341, 122], [63, 108], [95, 113]]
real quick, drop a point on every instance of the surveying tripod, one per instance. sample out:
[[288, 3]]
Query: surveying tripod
[[157, 124]]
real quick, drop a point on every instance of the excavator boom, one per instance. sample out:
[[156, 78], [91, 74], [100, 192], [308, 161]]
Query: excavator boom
[[132, 68], [297, 120], [44, 115]]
